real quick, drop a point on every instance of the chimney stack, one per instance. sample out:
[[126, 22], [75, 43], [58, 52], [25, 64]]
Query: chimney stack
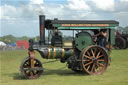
[[42, 29]]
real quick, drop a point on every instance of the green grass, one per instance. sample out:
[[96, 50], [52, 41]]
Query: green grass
[[57, 74]]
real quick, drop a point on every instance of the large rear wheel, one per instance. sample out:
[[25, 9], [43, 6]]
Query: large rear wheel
[[94, 60]]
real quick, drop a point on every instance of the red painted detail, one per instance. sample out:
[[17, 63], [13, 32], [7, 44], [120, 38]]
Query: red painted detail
[[22, 44], [118, 34]]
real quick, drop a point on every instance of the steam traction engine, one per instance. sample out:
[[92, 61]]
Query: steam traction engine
[[81, 53], [121, 40]]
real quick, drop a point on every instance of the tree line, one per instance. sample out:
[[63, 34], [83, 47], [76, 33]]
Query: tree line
[[12, 39], [122, 29]]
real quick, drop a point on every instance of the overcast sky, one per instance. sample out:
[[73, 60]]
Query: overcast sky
[[20, 17]]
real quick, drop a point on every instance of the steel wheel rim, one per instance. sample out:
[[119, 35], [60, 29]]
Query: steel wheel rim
[[94, 60], [31, 74]]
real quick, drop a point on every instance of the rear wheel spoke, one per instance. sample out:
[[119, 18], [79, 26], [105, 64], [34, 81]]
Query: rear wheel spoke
[[92, 67], [88, 63], [86, 60], [87, 56], [92, 52], [95, 69], [101, 64], [99, 68], [98, 55], [95, 51], [88, 67], [88, 53], [100, 60]]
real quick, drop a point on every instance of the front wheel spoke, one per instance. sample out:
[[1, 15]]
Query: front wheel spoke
[[88, 63], [35, 62], [35, 72], [26, 64], [31, 73], [27, 72]]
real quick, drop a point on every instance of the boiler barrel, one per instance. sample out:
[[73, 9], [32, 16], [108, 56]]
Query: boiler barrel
[[58, 52], [51, 52]]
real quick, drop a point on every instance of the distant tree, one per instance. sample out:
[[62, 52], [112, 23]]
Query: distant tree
[[126, 28], [24, 38], [8, 39]]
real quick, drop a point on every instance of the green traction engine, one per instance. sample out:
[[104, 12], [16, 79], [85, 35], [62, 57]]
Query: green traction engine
[[81, 52]]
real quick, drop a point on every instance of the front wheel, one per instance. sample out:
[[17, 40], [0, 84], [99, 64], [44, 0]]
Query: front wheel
[[28, 72], [94, 60]]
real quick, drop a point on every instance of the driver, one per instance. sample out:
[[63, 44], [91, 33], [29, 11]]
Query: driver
[[102, 38]]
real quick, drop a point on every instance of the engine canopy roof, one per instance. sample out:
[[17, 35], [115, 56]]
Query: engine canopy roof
[[80, 24]]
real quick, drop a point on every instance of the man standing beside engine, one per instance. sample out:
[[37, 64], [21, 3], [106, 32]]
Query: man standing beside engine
[[102, 38]]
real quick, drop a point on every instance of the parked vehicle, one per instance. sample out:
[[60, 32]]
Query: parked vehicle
[[121, 41]]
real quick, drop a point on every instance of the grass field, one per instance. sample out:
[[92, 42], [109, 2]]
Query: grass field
[[57, 74]]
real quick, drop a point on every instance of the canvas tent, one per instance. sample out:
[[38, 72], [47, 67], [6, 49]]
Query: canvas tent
[[2, 43]]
